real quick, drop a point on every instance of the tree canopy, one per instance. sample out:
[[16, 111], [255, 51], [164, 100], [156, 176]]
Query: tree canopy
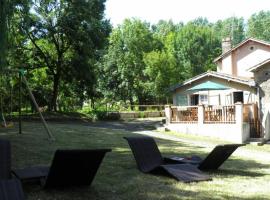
[[73, 54]]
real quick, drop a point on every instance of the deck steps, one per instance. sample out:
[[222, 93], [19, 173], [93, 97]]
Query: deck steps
[[256, 141]]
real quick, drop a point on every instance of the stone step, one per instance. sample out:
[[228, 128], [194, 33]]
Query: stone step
[[256, 141]]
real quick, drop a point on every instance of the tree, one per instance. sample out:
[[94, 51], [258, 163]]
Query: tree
[[195, 48], [122, 67], [3, 32], [232, 27], [66, 37], [259, 26]]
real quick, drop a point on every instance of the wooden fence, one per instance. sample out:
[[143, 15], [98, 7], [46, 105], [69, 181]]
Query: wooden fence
[[219, 114], [212, 114], [184, 114]]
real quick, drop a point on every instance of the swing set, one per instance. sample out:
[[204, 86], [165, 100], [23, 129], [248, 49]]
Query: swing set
[[22, 80]]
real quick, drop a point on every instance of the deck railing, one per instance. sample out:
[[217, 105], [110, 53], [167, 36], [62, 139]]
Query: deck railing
[[184, 114], [219, 114], [209, 114]]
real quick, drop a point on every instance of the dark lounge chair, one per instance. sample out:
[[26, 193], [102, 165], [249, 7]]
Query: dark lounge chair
[[149, 160], [5, 159], [212, 162], [11, 189], [68, 168]]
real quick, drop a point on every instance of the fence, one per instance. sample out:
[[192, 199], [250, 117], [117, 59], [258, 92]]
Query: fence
[[219, 114], [211, 114], [184, 114]]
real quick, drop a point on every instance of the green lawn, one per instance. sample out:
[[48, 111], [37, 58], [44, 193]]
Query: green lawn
[[246, 175]]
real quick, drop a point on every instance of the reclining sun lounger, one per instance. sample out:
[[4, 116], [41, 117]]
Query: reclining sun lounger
[[68, 168], [149, 160], [213, 161], [5, 159], [11, 190]]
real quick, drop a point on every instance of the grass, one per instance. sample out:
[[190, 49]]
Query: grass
[[244, 176]]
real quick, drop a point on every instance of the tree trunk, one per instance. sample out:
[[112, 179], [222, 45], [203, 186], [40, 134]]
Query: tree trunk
[[56, 81]]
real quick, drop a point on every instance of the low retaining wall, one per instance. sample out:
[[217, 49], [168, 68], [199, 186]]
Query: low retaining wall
[[133, 115]]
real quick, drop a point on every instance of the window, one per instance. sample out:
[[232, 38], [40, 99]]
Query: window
[[203, 99]]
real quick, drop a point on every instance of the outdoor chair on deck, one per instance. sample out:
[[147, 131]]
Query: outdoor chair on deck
[[68, 168], [10, 189], [149, 160]]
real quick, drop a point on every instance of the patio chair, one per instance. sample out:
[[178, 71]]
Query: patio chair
[[213, 161], [149, 160], [5, 159], [11, 190], [68, 168]]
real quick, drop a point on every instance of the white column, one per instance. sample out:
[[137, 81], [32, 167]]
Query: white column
[[168, 114], [239, 121], [200, 114]]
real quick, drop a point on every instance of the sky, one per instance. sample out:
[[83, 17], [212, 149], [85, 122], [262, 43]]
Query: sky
[[181, 10]]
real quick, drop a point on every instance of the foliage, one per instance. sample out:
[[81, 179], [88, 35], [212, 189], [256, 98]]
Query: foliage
[[122, 67], [72, 56], [232, 27], [65, 37], [259, 26]]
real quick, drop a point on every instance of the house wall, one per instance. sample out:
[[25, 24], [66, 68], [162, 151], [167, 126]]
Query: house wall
[[247, 56], [235, 87], [262, 78], [244, 57], [227, 65]]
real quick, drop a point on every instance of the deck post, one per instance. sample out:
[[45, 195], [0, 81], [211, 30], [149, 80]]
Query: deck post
[[200, 115], [239, 119], [168, 114]]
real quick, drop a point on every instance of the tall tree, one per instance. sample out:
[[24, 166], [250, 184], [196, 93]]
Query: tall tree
[[66, 37], [122, 68], [259, 25], [195, 48], [232, 27], [3, 32]]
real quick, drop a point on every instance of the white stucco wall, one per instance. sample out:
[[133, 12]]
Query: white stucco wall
[[227, 65], [248, 56]]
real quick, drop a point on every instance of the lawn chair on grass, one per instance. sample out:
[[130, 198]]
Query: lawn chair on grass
[[10, 189], [68, 168], [149, 160], [212, 162], [5, 159]]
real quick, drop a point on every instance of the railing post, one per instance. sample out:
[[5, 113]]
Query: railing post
[[239, 119], [168, 114], [200, 114]]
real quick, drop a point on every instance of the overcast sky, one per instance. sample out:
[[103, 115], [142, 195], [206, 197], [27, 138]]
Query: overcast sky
[[182, 10]]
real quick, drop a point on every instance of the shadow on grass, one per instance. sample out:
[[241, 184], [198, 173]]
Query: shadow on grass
[[118, 177]]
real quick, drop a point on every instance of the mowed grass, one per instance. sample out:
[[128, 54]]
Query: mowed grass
[[246, 175]]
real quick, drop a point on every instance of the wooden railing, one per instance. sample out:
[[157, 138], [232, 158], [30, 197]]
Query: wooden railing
[[219, 114], [184, 114], [251, 116]]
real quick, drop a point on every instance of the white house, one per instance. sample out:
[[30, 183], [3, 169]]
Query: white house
[[232, 103]]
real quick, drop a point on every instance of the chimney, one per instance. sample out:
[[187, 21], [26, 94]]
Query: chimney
[[226, 44]]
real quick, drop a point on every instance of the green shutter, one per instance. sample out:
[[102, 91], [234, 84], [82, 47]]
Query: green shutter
[[181, 100]]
